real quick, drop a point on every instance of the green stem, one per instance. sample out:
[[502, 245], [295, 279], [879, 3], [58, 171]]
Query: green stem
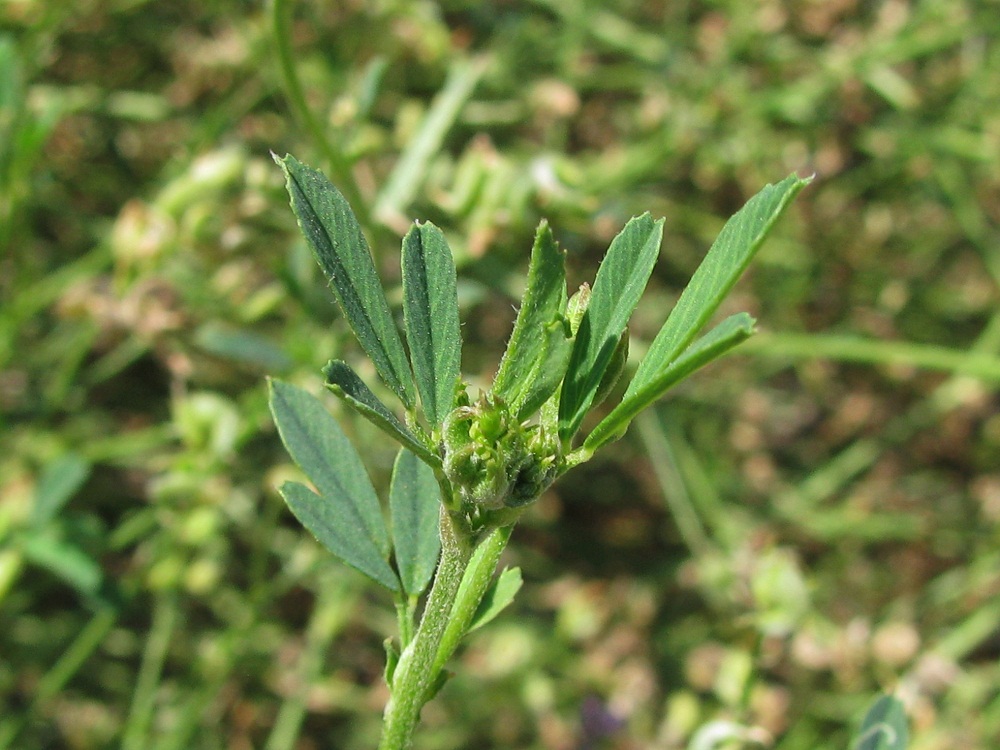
[[477, 578], [414, 678], [154, 657], [978, 364], [339, 165]]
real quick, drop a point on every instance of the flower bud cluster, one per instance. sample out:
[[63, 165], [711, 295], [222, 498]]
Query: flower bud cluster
[[493, 461]]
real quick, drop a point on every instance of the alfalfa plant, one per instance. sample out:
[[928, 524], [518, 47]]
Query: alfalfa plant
[[470, 464]]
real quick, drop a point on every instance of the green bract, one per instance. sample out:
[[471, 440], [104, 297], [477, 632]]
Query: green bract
[[469, 466]]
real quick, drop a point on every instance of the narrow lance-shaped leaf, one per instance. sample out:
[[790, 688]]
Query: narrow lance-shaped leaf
[[415, 505], [620, 282], [430, 308], [345, 384], [543, 302], [335, 237], [729, 255], [317, 444], [340, 528], [730, 332]]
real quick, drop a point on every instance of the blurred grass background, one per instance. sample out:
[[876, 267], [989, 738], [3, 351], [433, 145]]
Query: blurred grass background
[[811, 521]]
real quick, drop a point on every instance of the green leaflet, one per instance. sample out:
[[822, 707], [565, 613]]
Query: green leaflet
[[60, 480], [430, 308], [51, 547], [335, 237], [414, 505], [729, 255], [340, 527], [711, 346], [620, 282], [500, 593], [346, 384], [884, 727], [546, 372], [543, 302], [317, 444]]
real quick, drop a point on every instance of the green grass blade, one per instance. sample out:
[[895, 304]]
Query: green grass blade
[[728, 257], [317, 444], [884, 726], [730, 332], [543, 301], [414, 505], [620, 282], [342, 251], [341, 528], [430, 307], [137, 731], [411, 169], [346, 384]]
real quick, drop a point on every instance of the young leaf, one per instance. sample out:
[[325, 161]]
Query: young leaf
[[545, 375], [729, 255], [884, 726], [340, 528], [414, 504], [544, 300], [346, 384], [616, 366], [497, 597], [730, 332], [430, 308], [317, 444], [335, 237], [620, 282]]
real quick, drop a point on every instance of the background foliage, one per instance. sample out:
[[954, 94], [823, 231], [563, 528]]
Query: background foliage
[[803, 525]]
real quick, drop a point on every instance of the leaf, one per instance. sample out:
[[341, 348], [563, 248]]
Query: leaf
[[430, 308], [323, 452], [242, 346], [497, 597], [548, 370], [345, 384], [729, 255], [884, 727], [543, 302], [620, 282], [730, 332], [335, 237], [60, 556], [415, 504], [613, 373], [340, 527], [60, 480]]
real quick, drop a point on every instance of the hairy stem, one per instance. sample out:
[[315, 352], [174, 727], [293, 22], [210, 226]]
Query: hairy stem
[[415, 677], [477, 578]]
